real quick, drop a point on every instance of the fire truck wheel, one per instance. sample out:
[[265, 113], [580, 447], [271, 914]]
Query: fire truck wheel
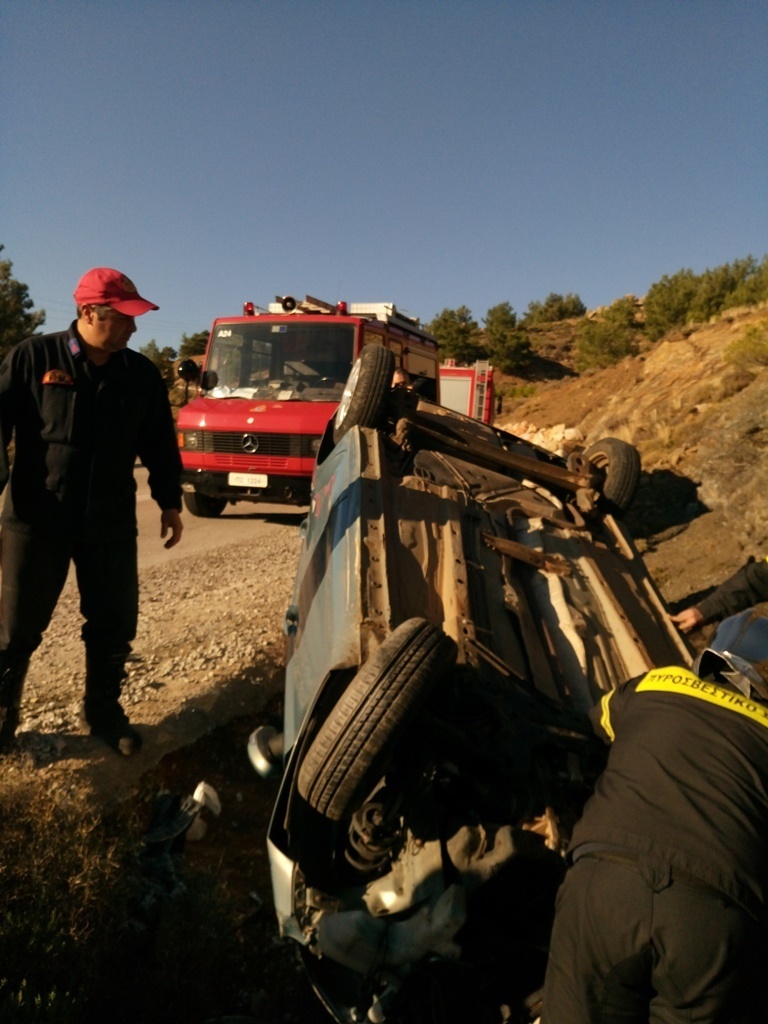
[[202, 506], [365, 394], [620, 463]]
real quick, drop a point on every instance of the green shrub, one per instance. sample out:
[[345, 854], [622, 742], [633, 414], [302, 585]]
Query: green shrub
[[601, 343], [164, 359], [513, 353], [717, 288], [754, 288], [193, 345], [685, 296], [554, 307], [509, 347], [506, 344], [668, 302], [517, 392], [458, 335], [18, 318], [751, 348]]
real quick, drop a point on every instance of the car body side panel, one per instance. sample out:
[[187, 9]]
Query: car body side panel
[[327, 597], [425, 560]]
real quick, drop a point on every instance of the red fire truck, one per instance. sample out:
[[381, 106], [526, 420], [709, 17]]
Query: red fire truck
[[270, 381], [468, 389]]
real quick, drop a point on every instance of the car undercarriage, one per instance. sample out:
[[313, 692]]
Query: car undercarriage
[[461, 600]]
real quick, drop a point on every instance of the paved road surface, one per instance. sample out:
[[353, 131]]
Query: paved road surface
[[237, 523]]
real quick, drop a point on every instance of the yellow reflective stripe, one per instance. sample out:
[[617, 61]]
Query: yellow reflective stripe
[[605, 716], [681, 681]]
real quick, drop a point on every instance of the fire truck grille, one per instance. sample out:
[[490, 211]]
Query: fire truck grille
[[238, 443]]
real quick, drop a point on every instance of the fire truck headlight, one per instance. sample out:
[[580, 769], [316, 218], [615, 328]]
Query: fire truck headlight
[[314, 445], [190, 439]]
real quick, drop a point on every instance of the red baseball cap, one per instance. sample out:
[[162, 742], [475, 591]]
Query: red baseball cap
[[104, 287]]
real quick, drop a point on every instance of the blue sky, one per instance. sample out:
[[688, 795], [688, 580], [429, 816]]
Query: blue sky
[[430, 153]]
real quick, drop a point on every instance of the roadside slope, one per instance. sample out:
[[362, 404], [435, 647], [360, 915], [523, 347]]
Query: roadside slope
[[700, 422]]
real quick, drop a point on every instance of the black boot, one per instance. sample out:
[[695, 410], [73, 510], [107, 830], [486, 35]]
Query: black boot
[[102, 712], [13, 671]]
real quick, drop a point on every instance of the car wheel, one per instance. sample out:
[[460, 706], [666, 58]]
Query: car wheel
[[620, 463], [203, 506], [348, 751], [363, 401]]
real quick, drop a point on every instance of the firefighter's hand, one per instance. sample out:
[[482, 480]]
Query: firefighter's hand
[[170, 519], [687, 619]]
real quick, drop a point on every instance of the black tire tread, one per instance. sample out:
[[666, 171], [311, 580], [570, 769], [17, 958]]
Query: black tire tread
[[371, 714], [367, 404], [202, 506], [621, 462]]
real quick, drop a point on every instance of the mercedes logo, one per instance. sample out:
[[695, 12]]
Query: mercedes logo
[[250, 443]]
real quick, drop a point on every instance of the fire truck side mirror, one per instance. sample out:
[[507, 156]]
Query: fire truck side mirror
[[189, 370]]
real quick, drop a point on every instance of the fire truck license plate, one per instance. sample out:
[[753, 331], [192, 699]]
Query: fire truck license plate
[[248, 480]]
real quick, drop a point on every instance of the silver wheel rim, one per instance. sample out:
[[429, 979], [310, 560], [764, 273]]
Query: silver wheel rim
[[346, 398]]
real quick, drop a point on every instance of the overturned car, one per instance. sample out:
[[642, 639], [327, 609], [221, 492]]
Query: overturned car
[[462, 599]]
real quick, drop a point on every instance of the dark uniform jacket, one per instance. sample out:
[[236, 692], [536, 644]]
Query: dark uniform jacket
[[78, 430], [747, 587], [686, 784]]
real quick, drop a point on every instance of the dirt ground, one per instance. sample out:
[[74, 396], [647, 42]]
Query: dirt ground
[[233, 849], [207, 668]]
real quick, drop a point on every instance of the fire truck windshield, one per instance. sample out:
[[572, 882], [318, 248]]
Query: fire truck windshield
[[288, 361]]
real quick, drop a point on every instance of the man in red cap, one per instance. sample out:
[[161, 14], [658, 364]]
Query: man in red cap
[[81, 407]]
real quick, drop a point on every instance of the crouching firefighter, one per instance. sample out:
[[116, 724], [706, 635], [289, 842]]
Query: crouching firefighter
[[80, 407], [662, 916]]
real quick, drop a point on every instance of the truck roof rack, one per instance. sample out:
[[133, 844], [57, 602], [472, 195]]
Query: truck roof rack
[[387, 312]]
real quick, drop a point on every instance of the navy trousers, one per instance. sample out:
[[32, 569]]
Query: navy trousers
[[631, 948], [34, 571]]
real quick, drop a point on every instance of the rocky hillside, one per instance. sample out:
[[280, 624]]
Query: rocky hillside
[[696, 406]]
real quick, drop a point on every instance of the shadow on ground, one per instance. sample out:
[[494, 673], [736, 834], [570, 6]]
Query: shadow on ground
[[110, 775], [665, 501]]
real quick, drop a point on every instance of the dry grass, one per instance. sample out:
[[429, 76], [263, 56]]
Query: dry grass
[[87, 933], [57, 888]]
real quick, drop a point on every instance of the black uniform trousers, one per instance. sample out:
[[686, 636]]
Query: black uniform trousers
[[634, 945], [34, 571]]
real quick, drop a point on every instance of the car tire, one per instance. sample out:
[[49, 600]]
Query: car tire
[[620, 462], [365, 393], [349, 749], [202, 506]]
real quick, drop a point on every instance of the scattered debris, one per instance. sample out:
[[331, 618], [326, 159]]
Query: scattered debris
[[175, 820]]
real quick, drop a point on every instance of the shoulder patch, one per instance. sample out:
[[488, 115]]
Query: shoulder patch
[[58, 377], [683, 682]]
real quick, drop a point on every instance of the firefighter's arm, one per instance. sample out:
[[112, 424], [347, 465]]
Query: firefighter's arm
[[748, 586], [688, 619]]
